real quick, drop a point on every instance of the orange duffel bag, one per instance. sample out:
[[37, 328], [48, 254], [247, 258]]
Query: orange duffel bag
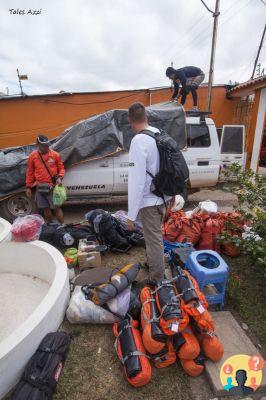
[[131, 352], [211, 345], [166, 357], [191, 229], [187, 346], [172, 319], [212, 227], [193, 367], [153, 337], [172, 227]]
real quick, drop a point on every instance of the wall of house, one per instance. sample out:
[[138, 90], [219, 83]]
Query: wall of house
[[22, 119]]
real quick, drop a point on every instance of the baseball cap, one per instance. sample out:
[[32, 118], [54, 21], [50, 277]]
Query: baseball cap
[[42, 139]]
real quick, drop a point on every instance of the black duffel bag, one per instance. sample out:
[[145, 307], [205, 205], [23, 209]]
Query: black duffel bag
[[42, 372]]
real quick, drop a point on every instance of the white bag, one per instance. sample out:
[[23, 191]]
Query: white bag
[[179, 203], [207, 206], [119, 305], [81, 310]]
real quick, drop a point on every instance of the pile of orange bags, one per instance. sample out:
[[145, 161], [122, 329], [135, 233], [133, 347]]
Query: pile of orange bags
[[203, 230], [175, 325]]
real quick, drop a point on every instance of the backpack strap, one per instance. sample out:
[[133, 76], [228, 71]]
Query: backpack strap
[[152, 135]]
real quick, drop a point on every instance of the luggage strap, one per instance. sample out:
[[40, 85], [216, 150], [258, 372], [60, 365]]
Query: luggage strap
[[52, 351], [131, 353], [149, 321], [45, 385]]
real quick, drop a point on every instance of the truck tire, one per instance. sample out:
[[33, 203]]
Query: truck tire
[[15, 206]]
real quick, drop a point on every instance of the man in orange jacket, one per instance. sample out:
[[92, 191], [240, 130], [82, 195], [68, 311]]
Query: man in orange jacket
[[45, 169]]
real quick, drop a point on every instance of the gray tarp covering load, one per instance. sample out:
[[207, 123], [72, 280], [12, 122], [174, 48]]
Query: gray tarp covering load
[[95, 137]]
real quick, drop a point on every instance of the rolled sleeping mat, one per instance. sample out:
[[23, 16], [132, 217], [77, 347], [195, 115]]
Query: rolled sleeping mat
[[153, 337], [119, 281], [172, 317], [190, 348], [193, 367], [184, 285], [131, 352], [166, 357]]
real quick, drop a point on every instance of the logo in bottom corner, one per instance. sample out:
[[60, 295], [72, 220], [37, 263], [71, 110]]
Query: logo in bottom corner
[[242, 374]]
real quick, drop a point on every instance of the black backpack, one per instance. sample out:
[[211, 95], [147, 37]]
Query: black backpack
[[43, 370], [173, 174]]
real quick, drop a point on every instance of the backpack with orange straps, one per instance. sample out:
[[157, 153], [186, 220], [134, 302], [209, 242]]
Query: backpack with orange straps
[[131, 352], [153, 337], [172, 317]]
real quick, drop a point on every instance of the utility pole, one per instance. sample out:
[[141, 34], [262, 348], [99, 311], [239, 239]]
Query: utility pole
[[21, 91], [258, 54], [214, 36]]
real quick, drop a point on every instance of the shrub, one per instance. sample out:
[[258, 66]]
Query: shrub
[[250, 190]]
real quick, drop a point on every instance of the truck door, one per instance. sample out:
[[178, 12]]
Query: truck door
[[121, 173], [232, 145], [202, 154], [94, 178]]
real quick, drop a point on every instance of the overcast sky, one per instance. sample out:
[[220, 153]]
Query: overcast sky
[[98, 45]]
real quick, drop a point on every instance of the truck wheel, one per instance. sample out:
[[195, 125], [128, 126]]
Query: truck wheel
[[15, 206]]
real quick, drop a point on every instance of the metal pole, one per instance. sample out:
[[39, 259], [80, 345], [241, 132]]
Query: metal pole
[[21, 91], [258, 54], [214, 36]]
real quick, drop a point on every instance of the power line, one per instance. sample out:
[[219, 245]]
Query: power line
[[263, 2], [205, 5]]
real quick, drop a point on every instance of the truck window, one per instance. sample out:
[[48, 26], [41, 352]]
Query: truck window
[[198, 136], [232, 140]]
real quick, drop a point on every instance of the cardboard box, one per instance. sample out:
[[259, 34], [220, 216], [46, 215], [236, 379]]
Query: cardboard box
[[86, 259]]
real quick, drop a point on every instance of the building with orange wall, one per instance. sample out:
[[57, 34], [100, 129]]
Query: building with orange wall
[[22, 118]]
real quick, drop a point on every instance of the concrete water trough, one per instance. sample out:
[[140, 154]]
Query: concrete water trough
[[5, 228], [34, 293]]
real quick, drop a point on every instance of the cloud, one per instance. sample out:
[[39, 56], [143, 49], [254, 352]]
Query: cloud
[[123, 44]]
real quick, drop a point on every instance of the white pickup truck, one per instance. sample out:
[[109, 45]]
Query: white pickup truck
[[108, 177]]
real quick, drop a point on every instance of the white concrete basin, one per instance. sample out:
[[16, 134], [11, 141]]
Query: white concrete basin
[[34, 294], [5, 228]]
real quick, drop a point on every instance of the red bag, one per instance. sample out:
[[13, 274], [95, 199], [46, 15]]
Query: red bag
[[166, 357], [153, 338], [211, 346], [143, 375], [191, 367], [172, 227], [179, 228], [191, 348], [212, 227], [191, 229]]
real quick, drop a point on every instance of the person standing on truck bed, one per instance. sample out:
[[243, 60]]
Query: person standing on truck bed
[[143, 157], [190, 78], [45, 169]]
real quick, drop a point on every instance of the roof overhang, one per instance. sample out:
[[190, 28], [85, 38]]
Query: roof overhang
[[249, 87]]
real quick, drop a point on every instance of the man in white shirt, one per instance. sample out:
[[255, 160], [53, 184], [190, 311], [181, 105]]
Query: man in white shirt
[[144, 156]]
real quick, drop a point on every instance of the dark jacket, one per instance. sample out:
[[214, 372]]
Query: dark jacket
[[182, 74]]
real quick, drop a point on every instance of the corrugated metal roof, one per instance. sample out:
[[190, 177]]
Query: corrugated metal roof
[[250, 83]]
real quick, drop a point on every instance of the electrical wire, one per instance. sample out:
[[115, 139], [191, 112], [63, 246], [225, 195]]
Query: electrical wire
[[263, 2], [141, 91], [205, 5]]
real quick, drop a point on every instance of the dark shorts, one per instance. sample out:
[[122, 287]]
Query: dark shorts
[[44, 200]]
